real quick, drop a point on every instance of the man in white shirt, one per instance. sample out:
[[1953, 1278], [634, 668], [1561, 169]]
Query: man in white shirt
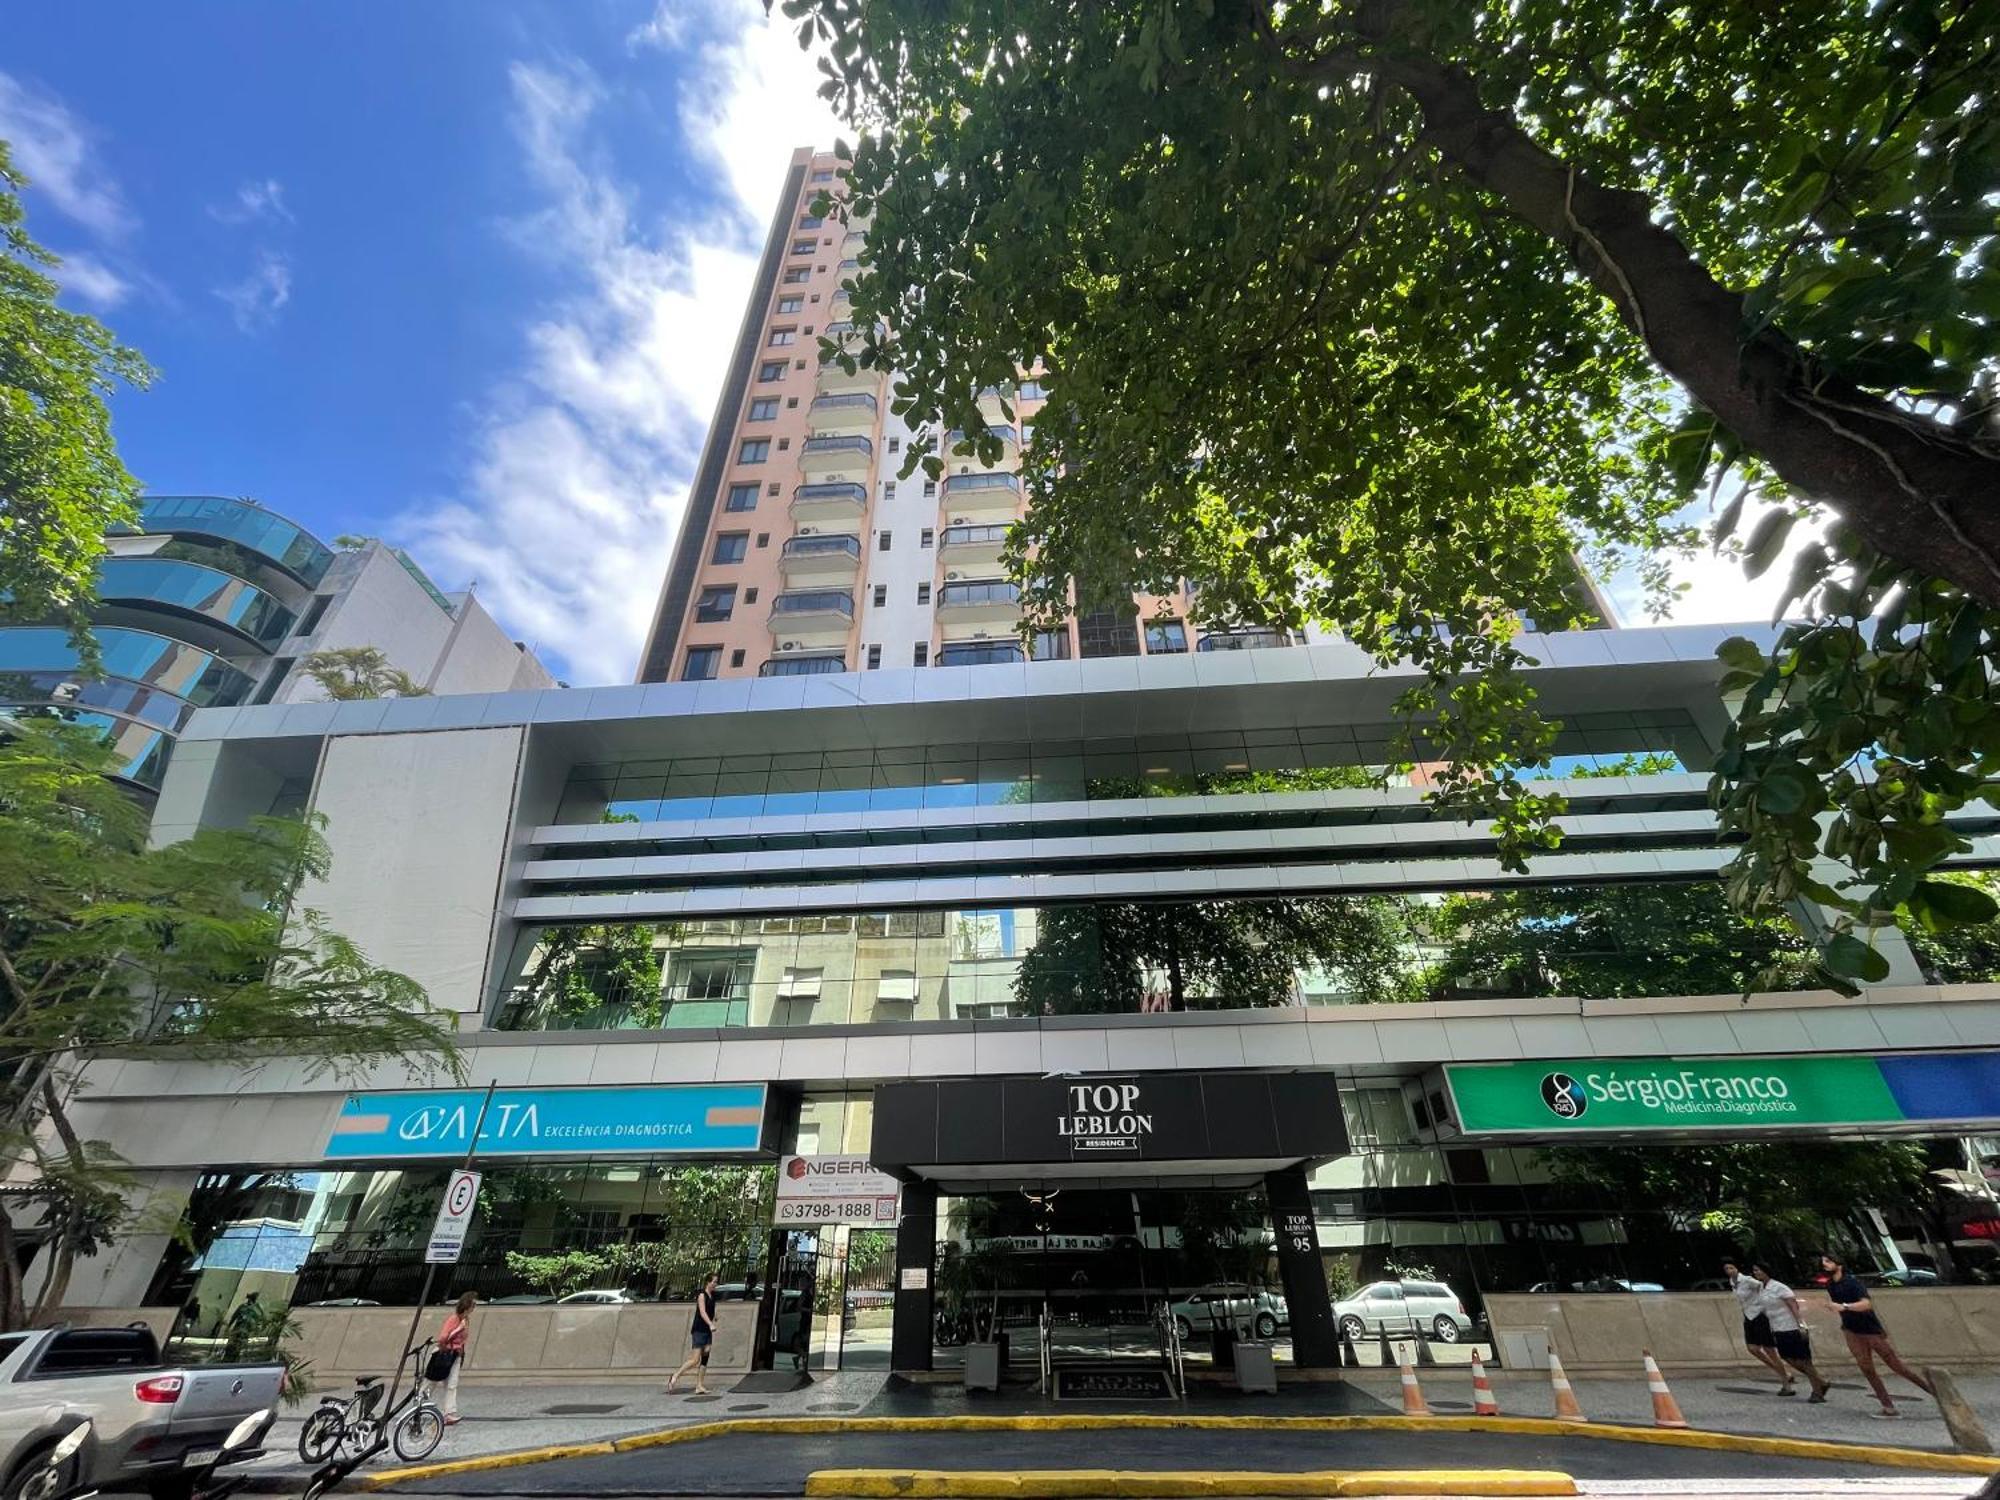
[[1780, 1306], [1756, 1326]]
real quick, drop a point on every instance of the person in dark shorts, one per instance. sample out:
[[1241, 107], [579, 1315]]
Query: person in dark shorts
[[1780, 1306], [1756, 1325], [1867, 1339], [701, 1335]]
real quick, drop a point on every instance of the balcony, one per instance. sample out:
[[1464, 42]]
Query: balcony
[[810, 615], [1009, 439], [134, 587], [994, 402], [217, 518], [1241, 640], [979, 653], [849, 414], [831, 558], [818, 505], [805, 664], [856, 238], [970, 498], [836, 458], [973, 546], [986, 601]]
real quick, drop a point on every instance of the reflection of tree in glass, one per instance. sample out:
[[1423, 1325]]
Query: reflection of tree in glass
[[1224, 1237]]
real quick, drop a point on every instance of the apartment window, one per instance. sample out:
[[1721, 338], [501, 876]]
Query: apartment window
[[920, 654], [763, 540], [874, 657], [716, 604], [701, 663], [790, 304], [780, 337], [771, 369], [1051, 645], [881, 594], [804, 247], [897, 984], [809, 221], [798, 364], [791, 403], [753, 451], [736, 657], [888, 489], [741, 497], [923, 593], [272, 683], [823, 176], [730, 547], [895, 445], [771, 488], [796, 274], [764, 409], [1165, 637], [315, 612], [783, 444], [749, 596], [882, 541], [1104, 632], [926, 537], [930, 489]]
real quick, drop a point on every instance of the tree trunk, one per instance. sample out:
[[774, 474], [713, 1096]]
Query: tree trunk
[[1915, 489], [13, 1311]]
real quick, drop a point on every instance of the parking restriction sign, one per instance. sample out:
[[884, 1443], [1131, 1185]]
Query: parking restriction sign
[[454, 1217]]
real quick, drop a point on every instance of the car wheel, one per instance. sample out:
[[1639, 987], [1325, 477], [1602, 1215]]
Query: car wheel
[[34, 1479], [1183, 1329], [1353, 1329], [1444, 1328], [1267, 1326]]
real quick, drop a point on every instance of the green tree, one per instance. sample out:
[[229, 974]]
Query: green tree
[[346, 673], [1379, 312], [62, 485], [192, 951], [1961, 955], [584, 972]]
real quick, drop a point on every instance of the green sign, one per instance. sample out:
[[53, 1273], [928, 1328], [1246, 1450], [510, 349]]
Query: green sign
[[1757, 1093]]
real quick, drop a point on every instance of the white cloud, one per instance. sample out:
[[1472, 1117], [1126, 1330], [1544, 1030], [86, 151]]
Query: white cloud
[[54, 150], [91, 279], [584, 457], [256, 299], [256, 202]]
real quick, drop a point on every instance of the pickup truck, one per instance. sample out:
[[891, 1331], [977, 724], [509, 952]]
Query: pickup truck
[[153, 1426]]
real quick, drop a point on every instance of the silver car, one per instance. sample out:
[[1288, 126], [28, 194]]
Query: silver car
[[1237, 1305], [1429, 1307]]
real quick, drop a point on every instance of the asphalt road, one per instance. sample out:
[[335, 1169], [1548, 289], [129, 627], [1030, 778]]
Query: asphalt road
[[777, 1465]]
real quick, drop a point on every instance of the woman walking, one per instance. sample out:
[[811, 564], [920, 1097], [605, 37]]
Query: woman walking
[[1756, 1324], [1866, 1338], [701, 1334], [444, 1364]]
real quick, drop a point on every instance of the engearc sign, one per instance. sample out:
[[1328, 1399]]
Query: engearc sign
[[661, 1119], [1597, 1095]]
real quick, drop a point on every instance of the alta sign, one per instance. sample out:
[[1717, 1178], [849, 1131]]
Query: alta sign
[[1104, 1119]]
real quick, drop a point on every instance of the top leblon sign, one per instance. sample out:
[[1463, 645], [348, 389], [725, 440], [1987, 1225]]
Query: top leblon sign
[[1599, 1095]]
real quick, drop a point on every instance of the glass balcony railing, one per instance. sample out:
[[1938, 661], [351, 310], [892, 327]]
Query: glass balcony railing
[[802, 666], [839, 545], [138, 656], [830, 494], [850, 401], [1241, 640], [837, 447], [974, 536], [813, 602], [279, 542], [192, 589], [978, 593], [998, 430], [979, 653], [962, 484]]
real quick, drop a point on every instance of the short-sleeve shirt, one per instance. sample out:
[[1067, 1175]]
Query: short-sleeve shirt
[[1748, 1295], [1772, 1304], [1848, 1289]]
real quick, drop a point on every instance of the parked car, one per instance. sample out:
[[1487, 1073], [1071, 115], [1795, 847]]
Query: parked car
[[1400, 1306], [1899, 1276], [154, 1428], [602, 1295], [520, 1299], [345, 1302], [1607, 1284], [1231, 1305]]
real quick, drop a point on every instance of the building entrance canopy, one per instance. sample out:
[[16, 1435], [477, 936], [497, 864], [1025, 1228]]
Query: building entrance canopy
[[1226, 1127]]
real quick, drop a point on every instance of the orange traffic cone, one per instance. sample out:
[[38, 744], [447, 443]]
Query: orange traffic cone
[[1483, 1404], [1666, 1410], [1413, 1395], [1566, 1408]]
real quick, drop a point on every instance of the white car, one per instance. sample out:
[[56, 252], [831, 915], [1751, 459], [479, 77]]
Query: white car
[[600, 1296], [1264, 1313], [1429, 1307]]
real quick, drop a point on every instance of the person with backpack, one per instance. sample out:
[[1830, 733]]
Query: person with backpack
[[443, 1366]]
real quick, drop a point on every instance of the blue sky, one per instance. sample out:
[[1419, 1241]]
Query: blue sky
[[458, 274]]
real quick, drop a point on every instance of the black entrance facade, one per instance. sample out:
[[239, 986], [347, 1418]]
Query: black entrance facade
[[1112, 1204]]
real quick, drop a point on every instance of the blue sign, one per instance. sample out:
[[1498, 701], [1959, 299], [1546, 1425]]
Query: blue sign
[[662, 1118]]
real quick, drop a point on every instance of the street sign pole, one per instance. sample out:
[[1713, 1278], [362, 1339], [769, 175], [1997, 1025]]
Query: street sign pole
[[430, 1267]]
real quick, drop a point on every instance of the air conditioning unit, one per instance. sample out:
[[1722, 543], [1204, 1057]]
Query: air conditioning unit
[[808, 530], [958, 520], [979, 635], [788, 645], [953, 577]]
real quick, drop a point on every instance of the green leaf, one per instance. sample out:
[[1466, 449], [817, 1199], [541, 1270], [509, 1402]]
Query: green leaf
[[1950, 904], [1742, 654], [1783, 791], [1851, 958], [1767, 540]]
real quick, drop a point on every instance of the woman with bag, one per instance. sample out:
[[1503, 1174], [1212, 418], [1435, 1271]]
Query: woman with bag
[[443, 1365]]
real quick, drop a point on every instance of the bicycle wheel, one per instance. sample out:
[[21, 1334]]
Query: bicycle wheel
[[416, 1435], [320, 1438]]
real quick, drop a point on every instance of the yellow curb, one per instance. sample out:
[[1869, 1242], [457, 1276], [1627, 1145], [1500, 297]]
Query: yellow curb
[[1094, 1484], [1724, 1442]]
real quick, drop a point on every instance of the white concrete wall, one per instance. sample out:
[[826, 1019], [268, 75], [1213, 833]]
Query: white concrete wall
[[482, 657], [901, 622], [418, 837]]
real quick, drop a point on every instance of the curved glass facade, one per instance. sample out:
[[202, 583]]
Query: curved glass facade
[[139, 656], [142, 748], [270, 536], [196, 590]]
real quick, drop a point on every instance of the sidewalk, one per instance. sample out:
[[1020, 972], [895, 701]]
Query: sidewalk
[[504, 1419]]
